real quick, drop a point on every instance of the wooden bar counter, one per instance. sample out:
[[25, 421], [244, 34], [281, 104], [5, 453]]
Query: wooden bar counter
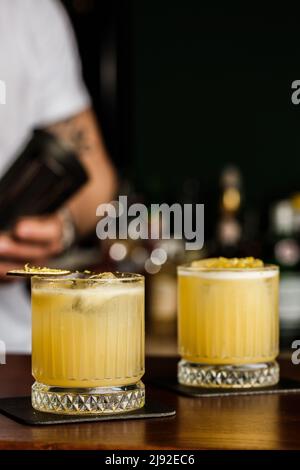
[[240, 422]]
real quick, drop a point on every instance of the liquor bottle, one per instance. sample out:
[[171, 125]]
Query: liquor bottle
[[229, 228], [163, 291], [161, 270], [283, 249]]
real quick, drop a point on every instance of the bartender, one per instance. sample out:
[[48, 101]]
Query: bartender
[[40, 67]]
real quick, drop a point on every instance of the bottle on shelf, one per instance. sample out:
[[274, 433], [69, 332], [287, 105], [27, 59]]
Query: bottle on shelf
[[229, 228], [283, 249]]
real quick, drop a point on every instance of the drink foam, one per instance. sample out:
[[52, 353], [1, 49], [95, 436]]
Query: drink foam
[[229, 274]]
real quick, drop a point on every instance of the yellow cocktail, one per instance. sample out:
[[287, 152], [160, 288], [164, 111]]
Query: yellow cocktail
[[228, 323], [88, 343]]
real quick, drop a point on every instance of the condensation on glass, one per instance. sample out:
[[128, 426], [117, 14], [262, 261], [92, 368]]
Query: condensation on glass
[[228, 326], [88, 344]]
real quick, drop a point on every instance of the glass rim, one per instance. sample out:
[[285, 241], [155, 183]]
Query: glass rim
[[86, 279], [187, 267]]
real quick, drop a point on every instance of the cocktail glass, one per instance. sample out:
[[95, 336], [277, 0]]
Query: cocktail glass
[[88, 343], [228, 326]]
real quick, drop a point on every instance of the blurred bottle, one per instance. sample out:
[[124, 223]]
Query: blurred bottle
[[229, 228], [161, 270], [283, 249], [190, 194], [162, 280]]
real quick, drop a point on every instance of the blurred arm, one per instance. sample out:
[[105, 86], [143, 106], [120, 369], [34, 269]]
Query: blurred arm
[[83, 135]]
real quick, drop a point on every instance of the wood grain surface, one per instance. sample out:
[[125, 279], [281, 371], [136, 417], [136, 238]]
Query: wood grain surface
[[244, 422]]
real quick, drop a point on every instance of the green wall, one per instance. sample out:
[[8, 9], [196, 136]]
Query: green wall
[[212, 85]]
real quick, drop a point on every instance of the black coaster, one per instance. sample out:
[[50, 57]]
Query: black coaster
[[284, 386], [19, 409]]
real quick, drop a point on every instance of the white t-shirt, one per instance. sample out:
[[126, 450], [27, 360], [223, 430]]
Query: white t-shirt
[[40, 67]]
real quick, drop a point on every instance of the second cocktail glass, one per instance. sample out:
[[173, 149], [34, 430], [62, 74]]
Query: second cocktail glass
[[88, 343], [228, 323]]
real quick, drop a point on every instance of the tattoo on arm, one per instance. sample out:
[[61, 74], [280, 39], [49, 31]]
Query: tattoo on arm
[[73, 134]]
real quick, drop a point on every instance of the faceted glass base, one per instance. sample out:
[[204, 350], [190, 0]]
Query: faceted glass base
[[228, 376], [85, 401]]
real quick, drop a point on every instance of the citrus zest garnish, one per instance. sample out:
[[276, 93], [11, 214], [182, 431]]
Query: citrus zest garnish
[[29, 269], [228, 263]]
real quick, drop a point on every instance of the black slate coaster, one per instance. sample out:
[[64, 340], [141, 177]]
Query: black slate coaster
[[284, 386], [19, 409]]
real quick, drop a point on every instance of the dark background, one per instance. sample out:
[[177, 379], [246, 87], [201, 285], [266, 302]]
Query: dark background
[[196, 87]]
